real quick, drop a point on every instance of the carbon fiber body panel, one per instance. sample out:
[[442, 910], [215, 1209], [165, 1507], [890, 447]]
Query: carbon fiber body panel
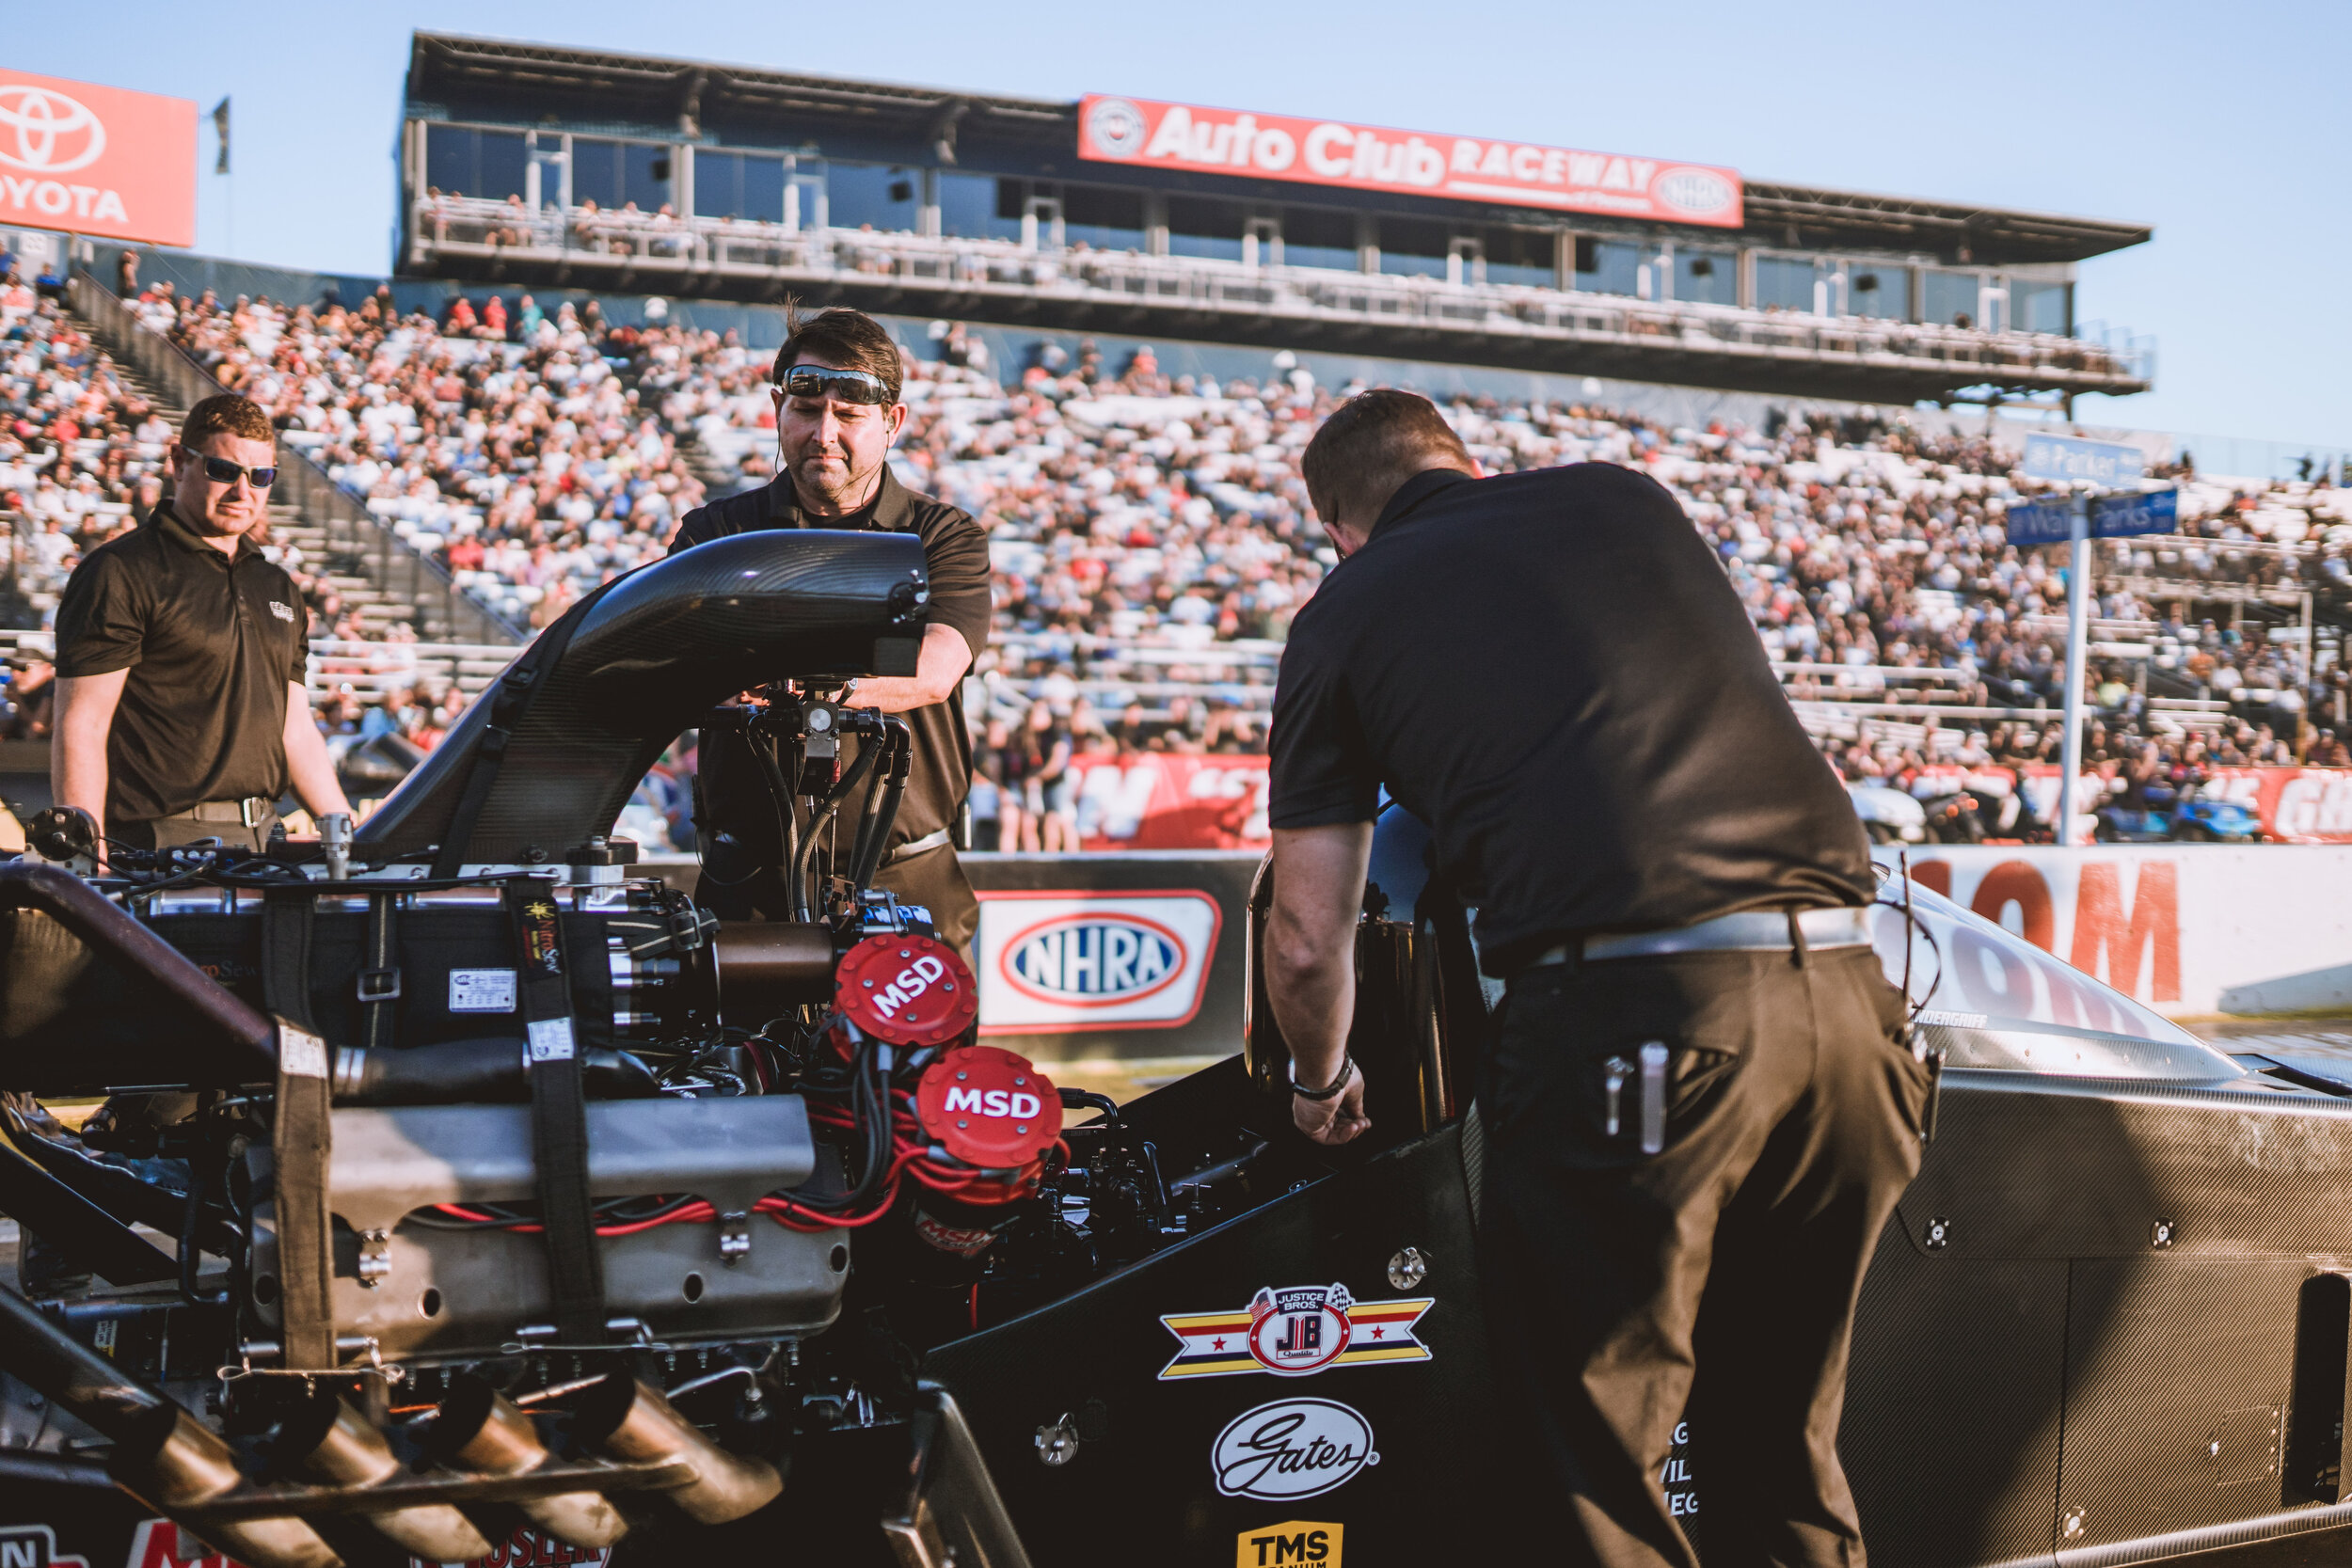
[[649, 657]]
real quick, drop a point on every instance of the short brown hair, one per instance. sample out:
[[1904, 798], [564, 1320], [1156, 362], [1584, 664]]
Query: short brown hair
[[850, 339], [226, 415], [1371, 444]]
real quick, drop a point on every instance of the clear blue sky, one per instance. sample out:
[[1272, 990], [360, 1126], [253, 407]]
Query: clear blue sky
[[2223, 126]]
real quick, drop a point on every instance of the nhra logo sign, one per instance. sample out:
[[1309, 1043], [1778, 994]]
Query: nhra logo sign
[[1060, 961]]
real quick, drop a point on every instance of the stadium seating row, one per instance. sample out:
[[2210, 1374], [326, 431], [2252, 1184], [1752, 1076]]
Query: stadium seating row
[[1151, 540]]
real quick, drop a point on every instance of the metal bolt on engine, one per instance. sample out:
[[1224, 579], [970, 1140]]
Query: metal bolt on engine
[[1408, 1269], [375, 1259], [1058, 1443]]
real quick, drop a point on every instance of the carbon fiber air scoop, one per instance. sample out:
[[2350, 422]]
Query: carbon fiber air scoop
[[635, 664]]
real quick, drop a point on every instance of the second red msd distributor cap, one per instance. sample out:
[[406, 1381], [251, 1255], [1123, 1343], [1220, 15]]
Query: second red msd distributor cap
[[989, 1107], [908, 991]]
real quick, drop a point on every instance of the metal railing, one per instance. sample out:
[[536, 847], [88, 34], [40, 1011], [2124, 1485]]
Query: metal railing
[[647, 247], [399, 572]]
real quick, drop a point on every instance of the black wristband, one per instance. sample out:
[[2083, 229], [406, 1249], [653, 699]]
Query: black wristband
[[1348, 1070]]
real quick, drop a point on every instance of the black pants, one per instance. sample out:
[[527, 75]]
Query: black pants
[[1617, 1280]]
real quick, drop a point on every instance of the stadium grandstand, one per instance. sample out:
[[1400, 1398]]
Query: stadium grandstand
[[536, 164], [526, 412]]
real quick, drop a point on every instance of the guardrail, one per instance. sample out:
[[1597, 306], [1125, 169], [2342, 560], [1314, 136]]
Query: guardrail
[[646, 247], [403, 575]]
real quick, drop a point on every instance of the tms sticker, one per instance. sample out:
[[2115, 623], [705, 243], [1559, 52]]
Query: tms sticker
[[34, 1547], [1291, 1449], [1302, 1542], [1294, 1330]]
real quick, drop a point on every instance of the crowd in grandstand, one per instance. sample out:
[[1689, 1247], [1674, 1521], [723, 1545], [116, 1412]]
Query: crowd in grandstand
[[1152, 538]]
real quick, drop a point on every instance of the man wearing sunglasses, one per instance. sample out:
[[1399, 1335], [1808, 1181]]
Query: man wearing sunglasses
[[180, 708], [837, 413]]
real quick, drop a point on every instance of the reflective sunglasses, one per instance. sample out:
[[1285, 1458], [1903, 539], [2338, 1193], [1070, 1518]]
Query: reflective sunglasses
[[816, 381], [221, 472]]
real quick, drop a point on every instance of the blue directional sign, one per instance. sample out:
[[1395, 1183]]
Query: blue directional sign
[[2135, 511], [2039, 522], [2070, 457]]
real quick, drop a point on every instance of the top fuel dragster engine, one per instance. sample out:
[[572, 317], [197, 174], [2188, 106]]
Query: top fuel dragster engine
[[497, 1180]]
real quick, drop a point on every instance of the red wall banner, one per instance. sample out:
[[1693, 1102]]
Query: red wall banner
[[1362, 157], [2296, 805], [98, 161], [1171, 800]]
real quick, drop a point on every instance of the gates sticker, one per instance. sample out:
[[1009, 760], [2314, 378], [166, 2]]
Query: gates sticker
[[1291, 1449], [1296, 1330], [1307, 1543], [1055, 963]]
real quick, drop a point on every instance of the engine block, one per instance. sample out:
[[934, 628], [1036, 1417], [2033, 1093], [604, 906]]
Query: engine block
[[407, 1287]]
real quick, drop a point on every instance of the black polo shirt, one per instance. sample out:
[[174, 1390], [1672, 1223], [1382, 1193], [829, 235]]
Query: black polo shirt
[[1551, 670], [955, 553], [212, 644]]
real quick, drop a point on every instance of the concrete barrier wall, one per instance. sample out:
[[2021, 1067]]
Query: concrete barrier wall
[[1139, 955], [2191, 930]]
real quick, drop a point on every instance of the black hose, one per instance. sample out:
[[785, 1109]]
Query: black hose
[[1071, 1098], [867, 756], [763, 750], [875, 832], [489, 1071]]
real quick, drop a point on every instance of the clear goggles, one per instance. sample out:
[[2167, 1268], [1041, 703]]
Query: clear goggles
[[817, 381]]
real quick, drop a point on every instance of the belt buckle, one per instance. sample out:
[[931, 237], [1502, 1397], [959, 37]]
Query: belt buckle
[[248, 811], [380, 985]]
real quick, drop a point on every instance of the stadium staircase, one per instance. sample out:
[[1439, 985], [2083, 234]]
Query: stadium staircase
[[374, 571], [288, 530]]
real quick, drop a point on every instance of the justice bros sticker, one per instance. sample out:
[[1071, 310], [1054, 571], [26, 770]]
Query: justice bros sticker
[[1294, 1330]]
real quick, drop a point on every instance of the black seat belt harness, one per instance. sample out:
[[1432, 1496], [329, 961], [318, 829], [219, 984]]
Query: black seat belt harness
[[559, 1114]]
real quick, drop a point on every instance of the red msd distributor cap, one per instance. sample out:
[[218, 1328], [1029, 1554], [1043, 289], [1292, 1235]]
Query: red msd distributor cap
[[907, 991], [989, 1108]]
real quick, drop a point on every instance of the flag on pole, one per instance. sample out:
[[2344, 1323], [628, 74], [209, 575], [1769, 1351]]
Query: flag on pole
[[220, 124]]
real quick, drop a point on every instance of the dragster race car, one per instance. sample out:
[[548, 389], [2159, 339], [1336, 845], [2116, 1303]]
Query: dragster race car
[[459, 1195]]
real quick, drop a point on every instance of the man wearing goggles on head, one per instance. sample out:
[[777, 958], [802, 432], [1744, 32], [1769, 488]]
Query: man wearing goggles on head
[[180, 708], [837, 413]]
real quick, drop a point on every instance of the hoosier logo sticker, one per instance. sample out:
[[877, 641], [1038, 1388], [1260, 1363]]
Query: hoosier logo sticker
[[1296, 1330]]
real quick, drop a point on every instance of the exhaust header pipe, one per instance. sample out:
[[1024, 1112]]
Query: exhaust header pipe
[[162, 1454], [478, 1429], [624, 1418], [335, 1443]]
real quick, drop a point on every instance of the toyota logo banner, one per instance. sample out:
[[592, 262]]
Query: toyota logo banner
[[96, 161], [1363, 157]]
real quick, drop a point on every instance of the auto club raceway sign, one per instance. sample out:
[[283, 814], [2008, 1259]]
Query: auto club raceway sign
[[2190, 931], [1413, 163], [96, 161]]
